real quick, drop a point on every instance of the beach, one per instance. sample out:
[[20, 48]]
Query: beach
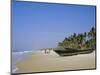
[[41, 62]]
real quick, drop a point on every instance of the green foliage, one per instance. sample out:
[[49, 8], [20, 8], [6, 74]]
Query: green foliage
[[80, 41]]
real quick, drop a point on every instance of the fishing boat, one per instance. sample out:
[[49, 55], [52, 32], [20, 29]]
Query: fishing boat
[[72, 51]]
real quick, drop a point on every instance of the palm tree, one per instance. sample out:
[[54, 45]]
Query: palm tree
[[92, 37], [65, 42], [85, 34], [80, 39], [92, 33], [74, 40]]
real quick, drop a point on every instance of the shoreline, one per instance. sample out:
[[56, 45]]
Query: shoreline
[[23, 56], [41, 62]]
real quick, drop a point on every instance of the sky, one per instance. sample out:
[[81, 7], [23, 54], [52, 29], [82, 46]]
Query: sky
[[42, 25]]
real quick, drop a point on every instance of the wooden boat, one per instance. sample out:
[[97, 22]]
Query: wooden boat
[[71, 51]]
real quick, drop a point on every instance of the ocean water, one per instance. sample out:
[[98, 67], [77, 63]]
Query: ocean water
[[19, 56]]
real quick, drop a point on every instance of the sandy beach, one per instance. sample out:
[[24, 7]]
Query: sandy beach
[[41, 62]]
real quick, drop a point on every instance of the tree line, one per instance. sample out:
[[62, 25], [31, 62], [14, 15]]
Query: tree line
[[86, 40]]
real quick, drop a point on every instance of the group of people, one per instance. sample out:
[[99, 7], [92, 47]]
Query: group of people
[[47, 50]]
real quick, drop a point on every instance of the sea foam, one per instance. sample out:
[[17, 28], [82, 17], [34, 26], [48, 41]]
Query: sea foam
[[19, 56]]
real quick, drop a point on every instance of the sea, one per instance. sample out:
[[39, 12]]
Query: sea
[[19, 56]]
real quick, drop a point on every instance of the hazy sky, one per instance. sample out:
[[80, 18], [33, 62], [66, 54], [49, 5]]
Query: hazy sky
[[42, 25]]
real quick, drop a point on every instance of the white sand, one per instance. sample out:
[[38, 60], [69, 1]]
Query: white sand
[[41, 62]]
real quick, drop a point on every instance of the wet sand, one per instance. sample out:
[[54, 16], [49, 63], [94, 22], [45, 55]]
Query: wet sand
[[41, 62]]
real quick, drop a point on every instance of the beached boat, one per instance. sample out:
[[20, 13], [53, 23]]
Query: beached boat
[[71, 51]]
